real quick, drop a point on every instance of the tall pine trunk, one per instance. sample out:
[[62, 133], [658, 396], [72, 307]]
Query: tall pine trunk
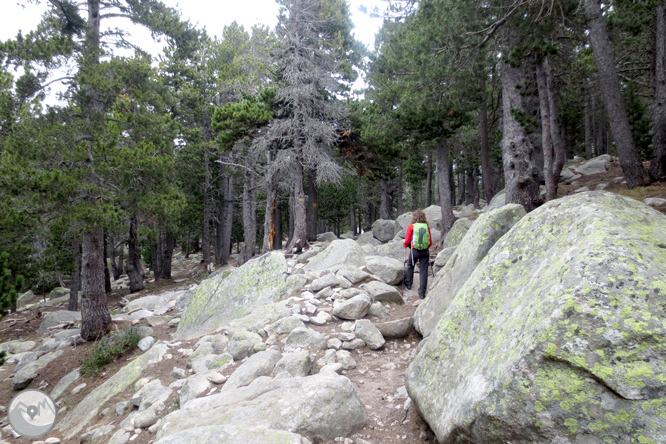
[[658, 163], [277, 222], [557, 140], [270, 216], [207, 217], [75, 277], [312, 209], [400, 205], [96, 319], [384, 212], [249, 219], [443, 181], [135, 271], [428, 187], [589, 144], [226, 221], [521, 173], [611, 91], [300, 237], [95, 316], [487, 172]]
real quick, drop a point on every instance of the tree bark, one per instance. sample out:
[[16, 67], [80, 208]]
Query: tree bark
[[134, 268], [167, 245], [268, 243], [226, 222], [611, 91], [443, 181], [658, 163], [589, 144], [353, 227], [205, 228], [300, 238], [249, 219], [400, 206], [75, 285], [546, 136], [277, 222], [428, 187], [487, 172], [384, 200], [521, 174], [557, 140], [470, 186], [312, 215], [96, 319]]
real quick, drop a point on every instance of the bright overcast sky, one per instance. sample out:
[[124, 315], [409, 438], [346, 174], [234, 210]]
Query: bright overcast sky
[[211, 14]]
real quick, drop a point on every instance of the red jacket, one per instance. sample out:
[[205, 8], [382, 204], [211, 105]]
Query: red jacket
[[410, 234]]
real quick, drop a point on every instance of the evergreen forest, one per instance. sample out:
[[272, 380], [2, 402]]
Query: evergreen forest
[[257, 140]]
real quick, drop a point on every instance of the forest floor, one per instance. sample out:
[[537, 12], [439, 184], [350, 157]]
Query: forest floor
[[377, 377]]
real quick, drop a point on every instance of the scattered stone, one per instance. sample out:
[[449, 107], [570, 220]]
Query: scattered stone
[[596, 165], [350, 293], [178, 373], [306, 338], [378, 310], [326, 237], [353, 274], [367, 331], [78, 388], [329, 280], [152, 393], [242, 344], [387, 269], [334, 343], [52, 440], [367, 238], [216, 378], [296, 364], [145, 343], [354, 308], [121, 407], [54, 318], [260, 364], [339, 252], [345, 359], [146, 418], [601, 186], [120, 437], [382, 292], [322, 318], [396, 329], [353, 344], [655, 201]]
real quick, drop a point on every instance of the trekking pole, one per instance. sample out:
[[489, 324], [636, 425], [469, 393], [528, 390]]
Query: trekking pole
[[404, 271]]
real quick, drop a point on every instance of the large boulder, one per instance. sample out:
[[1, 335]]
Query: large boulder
[[54, 318], [393, 249], [475, 245], [457, 232], [367, 238], [558, 335], [339, 252], [59, 292], [323, 406], [383, 230], [231, 434], [387, 269], [434, 216], [403, 221], [326, 237], [498, 201], [87, 409], [599, 164], [219, 300]]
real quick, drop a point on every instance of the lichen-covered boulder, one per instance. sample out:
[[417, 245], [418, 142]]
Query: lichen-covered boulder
[[86, 410], [558, 335], [403, 221], [383, 230], [498, 201], [393, 249], [483, 234], [231, 434], [219, 300], [322, 406], [339, 252], [457, 232]]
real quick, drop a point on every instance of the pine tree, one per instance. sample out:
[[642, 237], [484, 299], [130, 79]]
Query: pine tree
[[10, 285]]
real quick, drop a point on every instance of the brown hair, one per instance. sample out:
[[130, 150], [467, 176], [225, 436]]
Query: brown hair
[[419, 217]]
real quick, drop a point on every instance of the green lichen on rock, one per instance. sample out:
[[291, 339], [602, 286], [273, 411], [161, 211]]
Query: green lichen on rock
[[558, 334], [219, 300], [480, 238]]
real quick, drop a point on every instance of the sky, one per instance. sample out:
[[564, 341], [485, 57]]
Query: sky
[[212, 15]]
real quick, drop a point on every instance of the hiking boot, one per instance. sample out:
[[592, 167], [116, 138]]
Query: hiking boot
[[422, 296], [408, 286]]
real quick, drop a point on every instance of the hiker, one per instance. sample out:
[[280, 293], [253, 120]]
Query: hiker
[[418, 240]]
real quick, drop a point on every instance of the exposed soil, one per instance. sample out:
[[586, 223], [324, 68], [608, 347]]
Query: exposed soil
[[377, 377]]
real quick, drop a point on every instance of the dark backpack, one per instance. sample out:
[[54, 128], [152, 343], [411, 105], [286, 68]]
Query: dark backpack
[[420, 237]]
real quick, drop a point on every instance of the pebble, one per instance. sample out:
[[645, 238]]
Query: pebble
[[78, 388], [217, 378], [52, 440]]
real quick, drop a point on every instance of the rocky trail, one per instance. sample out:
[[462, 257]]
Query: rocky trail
[[312, 348]]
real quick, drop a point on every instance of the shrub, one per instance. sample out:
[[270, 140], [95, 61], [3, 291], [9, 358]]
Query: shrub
[[108, 350]]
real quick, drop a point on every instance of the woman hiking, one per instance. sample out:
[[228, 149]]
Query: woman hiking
[[418, 240]]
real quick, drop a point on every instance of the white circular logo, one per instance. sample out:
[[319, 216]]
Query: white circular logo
[[32, 413]]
